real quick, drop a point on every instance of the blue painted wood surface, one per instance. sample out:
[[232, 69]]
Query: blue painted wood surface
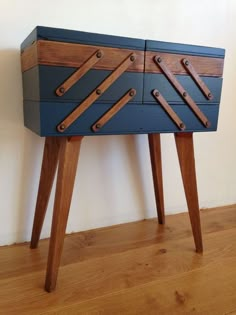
[[131, 119], [32, 117], [161, 83], [183, 49], [70, 36], [41, 82]]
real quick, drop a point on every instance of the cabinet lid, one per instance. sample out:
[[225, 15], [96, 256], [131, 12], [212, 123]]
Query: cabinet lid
[[184, 49], [70, 36]]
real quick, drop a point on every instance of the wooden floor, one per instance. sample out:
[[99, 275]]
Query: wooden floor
[[135, 268]]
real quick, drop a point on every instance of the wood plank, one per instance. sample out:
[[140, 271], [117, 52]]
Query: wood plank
[[204, 66], [74, 55], [165, 277], [18, 259], [206, 291]]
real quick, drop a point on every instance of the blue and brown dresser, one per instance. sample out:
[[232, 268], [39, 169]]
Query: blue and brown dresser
[[80, 84]]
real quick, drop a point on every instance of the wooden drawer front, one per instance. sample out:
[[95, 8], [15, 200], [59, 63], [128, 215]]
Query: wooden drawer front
[[204, 66], [52, 53]]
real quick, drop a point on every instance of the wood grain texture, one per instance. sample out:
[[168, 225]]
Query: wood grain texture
[[204, 66], [135, 268], [114, 110], [99, 243], [168, 109], [182, 92], [74, 55], [193, 73], [79, 73], [68, 158], [185, 150], [96, 93], [156, 163], [48, 170]]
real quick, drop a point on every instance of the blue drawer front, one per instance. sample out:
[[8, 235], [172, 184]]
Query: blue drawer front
[[41, 82], [144, 118], [161, 83]]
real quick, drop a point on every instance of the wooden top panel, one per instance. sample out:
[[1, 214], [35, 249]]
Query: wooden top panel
[[204, 66], [53, 53]]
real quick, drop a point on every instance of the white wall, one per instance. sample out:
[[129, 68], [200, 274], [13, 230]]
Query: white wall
[[114, 182]]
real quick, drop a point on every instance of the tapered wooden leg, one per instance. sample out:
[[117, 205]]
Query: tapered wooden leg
[[68, 158], [185, 149], [155, 154], [48, 170]]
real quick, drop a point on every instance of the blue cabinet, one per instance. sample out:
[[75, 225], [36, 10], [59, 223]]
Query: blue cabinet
[[72, 79]]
